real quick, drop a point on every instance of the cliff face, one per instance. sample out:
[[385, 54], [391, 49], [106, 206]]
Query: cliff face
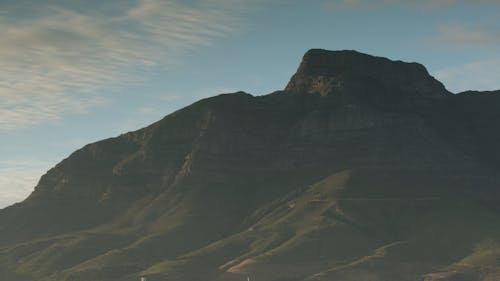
[[352, 75], [361, 169]]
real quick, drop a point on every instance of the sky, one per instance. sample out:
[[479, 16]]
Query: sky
[[73, 72]]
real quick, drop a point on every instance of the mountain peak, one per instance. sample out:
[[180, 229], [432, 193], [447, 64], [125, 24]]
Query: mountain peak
[[328, 73]]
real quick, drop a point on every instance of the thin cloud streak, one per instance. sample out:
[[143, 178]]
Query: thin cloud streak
[[468, 36], [482, 75], [54, 63]]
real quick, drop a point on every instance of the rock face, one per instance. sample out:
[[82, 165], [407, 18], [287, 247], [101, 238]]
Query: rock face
[[363, 168], [349, 73]]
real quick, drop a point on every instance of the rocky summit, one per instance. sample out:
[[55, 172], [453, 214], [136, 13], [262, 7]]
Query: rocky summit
[[362, 169], [350, 73]]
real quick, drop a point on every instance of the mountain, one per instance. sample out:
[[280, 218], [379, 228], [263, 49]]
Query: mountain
[[362, 169]]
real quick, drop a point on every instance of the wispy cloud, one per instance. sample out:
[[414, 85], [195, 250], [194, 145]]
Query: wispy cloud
[[17, 179], [482, 75], [459, 35], [54, 61]]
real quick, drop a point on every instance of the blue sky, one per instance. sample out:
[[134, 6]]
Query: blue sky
[[76, 71]]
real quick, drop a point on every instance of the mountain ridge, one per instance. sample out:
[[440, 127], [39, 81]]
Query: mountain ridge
[[373, 179]]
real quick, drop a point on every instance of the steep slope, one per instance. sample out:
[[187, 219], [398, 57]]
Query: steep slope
[[363, 168]]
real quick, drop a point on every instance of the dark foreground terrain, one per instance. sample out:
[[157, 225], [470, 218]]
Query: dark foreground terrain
[[362, 169]]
